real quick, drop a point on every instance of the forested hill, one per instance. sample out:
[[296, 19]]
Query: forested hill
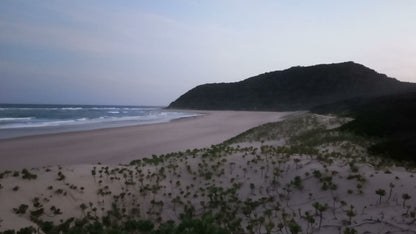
[[390, 118], [296, 88]]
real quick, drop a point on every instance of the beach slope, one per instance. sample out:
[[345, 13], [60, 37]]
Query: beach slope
[[123, 144]]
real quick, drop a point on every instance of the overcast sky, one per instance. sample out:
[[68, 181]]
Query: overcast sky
[[151, 52]]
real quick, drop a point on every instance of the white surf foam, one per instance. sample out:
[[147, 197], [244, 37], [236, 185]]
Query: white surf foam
[[16, 119]]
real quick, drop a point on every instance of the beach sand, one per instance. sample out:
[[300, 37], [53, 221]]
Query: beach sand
[[298, 174], [123, 144], [333, 187]]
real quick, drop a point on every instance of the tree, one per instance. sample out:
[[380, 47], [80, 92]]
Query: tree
[[252, 186], [297, 182], [294, 227], [350, 213], [320, 208], [381, 193], [405, 197], [350, 230], [310, 220]]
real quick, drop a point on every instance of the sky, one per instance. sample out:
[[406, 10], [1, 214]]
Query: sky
[[149, 52]]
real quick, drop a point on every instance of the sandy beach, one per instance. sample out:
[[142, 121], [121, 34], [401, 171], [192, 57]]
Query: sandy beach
[[299, 175], [123, 144]]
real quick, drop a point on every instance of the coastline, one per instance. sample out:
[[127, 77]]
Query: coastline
[[123, 144], [292, 165], [84, 123]]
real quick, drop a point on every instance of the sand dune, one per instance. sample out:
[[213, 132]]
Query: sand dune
[[123, 144], [300, 175]]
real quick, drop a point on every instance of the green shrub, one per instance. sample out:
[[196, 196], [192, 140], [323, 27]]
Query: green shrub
[[21, 209]]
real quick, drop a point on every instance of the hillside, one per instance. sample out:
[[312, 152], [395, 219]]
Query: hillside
[[390, 118], [296, 88]]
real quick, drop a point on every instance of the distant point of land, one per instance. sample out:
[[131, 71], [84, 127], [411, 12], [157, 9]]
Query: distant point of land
[[296, 88]]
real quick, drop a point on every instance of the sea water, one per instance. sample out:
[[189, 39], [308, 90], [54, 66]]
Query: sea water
[[30, 119]]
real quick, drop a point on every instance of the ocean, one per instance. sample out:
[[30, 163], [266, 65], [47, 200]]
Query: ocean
[[32, 119]]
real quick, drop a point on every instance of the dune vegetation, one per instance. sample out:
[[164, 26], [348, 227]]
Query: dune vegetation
[[300, 175]]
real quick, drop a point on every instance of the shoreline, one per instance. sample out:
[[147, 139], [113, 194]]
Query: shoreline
[[124, 144], [331, 182], [13, 133]]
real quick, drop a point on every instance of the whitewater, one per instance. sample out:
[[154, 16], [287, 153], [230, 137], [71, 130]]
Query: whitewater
[[30, 119]]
